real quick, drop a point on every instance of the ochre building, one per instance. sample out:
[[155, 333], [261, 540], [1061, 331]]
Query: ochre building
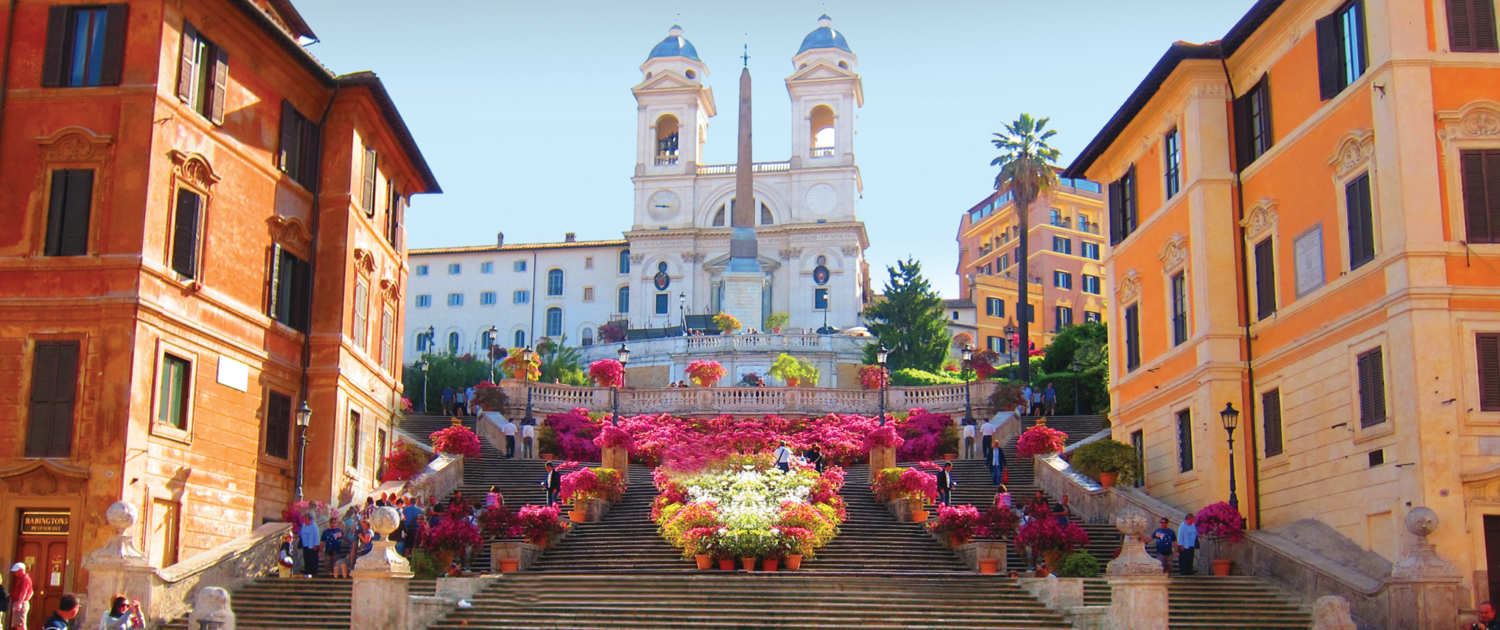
[[1305, 224], [204, 230]]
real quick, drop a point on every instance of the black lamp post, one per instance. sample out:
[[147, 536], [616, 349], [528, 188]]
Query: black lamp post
[[1231, 418], [682, 310], [422, 365], [304, 418], [1076, 367], [494, 334], [527, 356], [624, 354], [880, 357], [968, 407], [1010, 331]]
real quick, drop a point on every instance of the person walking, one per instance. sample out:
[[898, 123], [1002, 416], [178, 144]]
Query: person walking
[[1187, 545], [553, 482], [1026, 398], [1038, 407], [509, 429], [1049, 399], [333, 546], [783, 457], [311, 543], [494, 500], [411, 520], [987, 437], [447, 400], [945, 483], [469, 401], [21, 591], [968, 439], [62, 619], [528, 440], [997, 466], [814, 456], [1165, 539]]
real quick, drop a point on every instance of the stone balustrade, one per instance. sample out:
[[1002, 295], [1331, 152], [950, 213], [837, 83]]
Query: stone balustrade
[[547, 398]]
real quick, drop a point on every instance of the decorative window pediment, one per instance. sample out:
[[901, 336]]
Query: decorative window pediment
[[1479, 120], [193, 168], [75, 144], [1354, 152], [1129, 288], [1174, 255], [290, 233], [1260, 219]]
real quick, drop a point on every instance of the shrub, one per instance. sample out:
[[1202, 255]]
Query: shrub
[[1220, 520], [777, 320], [456, 440], [706, 373], [539, 524], [997, 523], [1106, 456], [957, 523], [423, 565], [883, 437], [912, 377], [406, 460], [1078, 565], [727, 323], [490, 396], [607, 373], [453, 534], [1040, 440], [1006, 397], [496, 522], [873, 377], [1044, 534]]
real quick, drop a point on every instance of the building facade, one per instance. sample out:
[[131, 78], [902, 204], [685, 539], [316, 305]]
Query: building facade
[[206, 234], [1303, 226], [1064, 261]]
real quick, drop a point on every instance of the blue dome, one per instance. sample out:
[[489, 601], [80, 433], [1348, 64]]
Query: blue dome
[[824, 37], [675, 45]]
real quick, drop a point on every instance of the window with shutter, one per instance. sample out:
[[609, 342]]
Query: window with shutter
[[1252, 123], [1122, 207], [1132, 337], [1172, 148], [367, 193], [291, 283], [1114, 213], [1341, 49], [68, 212], [1471, 26], [85, 45], [299, 146], [1371, 388], [361, 312], [1265, 279], [1361, 221], [184, 236], [387, 339], [1488, 349], [174, 398], [1481, 184], [397, 219], [1185, 441], [202, 74], [1270, 409], [279, 425], [54, 385], [1179, 309], [352, 445]]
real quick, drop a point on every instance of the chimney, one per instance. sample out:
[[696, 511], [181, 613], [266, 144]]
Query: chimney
[[499, 239], [570, 237]]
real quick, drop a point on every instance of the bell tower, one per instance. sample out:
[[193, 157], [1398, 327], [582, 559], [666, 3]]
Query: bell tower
[[674, 107], [825, 90]]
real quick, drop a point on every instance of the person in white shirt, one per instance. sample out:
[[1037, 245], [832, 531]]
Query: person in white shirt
[[509, 429], [988, 433], [1026, 398], [968, 440], [783, 457], [469, 401], [528, 439]]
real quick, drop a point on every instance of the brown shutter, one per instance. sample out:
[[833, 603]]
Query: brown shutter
[[1361, 222], [1132, 205], [55, 211], [1263, 92], [219, 84], [1460, 26], [290, 138], [1483, 14], [1270, 404], [310, 152], [187, 63], [398, 218], [114, 44], [1481, 201], [274, 301], [1242, 133], [1489, 371], [1371, 388], [57, 35], [1115, 215], [185, 234], [301, 296], [278, 425], [367, 192], [1492, 193], [1265, 279], [68, 213], [1330, 73], [54, 381]]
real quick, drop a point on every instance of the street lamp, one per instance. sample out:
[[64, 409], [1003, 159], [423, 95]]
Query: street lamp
[[1231, 418], [1076, 367], [304, 418], [968, 408], [624, 354], [1010, 331], [489, 345], [527, 356], [880, 357], [682, 310]]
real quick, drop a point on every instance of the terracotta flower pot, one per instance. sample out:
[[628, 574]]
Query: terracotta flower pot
[[793, 562], [1221, 566], [748, 563], [1054, 558], [705, 561], [1107, 479], [443, 559], [769, 564], [726, 564], [510, 565], [792, 381], [578, 516], [919, 516], [547, 456], [950, 456], [990, 566]]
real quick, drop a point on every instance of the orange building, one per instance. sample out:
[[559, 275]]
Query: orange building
[[1304, 225], [1067, 276], [205, 231]]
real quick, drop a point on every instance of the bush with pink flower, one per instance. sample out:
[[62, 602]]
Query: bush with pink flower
[[1040, 440], [592, 483], [957, 524], [575, 432], [1046, 535], [540, 524], [607, 373], [874, 377], [883, 437], [456, 440], [1221, 520], [705, 373], [405, 461]]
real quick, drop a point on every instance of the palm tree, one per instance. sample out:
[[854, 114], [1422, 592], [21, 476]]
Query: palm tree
[[1026, 167]]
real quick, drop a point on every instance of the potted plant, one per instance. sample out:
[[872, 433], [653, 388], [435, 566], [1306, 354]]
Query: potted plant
[[1052, 541], [705, 373], [591, 490], [1111, 462], [787, 368], [773, 548], [955, 525], [918, 489], [451, 537], [1040, 440], [701, 545], [456, 440], [1079, 564], [994, 524], [799, 543], [777, 321], [541, 524], [727, 323], [873, 377], [607, 373], [1221, 522], [406, 460]]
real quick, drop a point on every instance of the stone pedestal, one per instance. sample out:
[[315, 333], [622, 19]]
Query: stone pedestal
[[1138, 588], [524, 554], [117, 568], [616, 458], [1424, 589], [881, 458], [211, 610], [381, 580], [742, 297], [973, 552], [1332, 613], [593, 510]]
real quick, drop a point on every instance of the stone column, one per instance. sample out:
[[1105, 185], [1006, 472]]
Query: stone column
[[1138, 587], [617, 458], [881, 458], [381, 580], [1424, 588], [118, 568]]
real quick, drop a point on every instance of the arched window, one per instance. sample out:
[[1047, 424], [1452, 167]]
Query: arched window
[[624, 261], [554, 322], [486, 339], [822, 131], [588, 337], [520, 339], [765, 215], [453, 342], [624, 305], [554, 282], [666, 140], [719, 216], [424, 342]]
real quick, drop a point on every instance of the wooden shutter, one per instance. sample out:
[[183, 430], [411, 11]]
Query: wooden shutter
[[1361, 219], [1270, 405], [1185, 441], [185, 234], [291, 138], [219, 85], [1481, 183], [367, 193], [1265, 279], [114, 44], [278, 425], [1489, 371], [1471, 26], [361, 313], [68, 213], [1132, 337], [301, 297], [398, 218], [1483, 14], [1115, 216], [1330, 70], [187, 62], [54, 382], [1263, 94], [57, 36], [1371, 388], [309, 147], [1132, 205], [274, 303], [1242, 133]]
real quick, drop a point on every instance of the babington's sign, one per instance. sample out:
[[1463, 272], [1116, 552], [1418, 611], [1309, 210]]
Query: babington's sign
[[44, 523]]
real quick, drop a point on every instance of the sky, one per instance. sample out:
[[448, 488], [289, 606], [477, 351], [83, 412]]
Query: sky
[[524, 112]]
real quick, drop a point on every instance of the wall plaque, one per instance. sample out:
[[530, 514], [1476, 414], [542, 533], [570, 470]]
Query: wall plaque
[[45, 523], [1307, 251]]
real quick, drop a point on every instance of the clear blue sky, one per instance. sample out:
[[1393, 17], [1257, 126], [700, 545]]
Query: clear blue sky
[[524, 111]]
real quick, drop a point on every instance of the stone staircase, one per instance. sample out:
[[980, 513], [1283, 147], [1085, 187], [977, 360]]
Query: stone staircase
[[1231, 602], [270, 603], [624, 540]]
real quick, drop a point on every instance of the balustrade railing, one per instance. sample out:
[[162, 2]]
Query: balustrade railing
[[822, 152], [549, 398]]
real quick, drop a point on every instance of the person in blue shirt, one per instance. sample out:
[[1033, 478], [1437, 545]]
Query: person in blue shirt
[[333, 544], [1049, 399], [411, 520], [67, 609], [311, 538], [1165, 538], [997, 466], [447, 400], [1187, 545]]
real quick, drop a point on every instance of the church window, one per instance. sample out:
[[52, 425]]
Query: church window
[[453, 343], [822, 260], [820, 299], [624, 261], [666, 140], [661, 304], [765, 215], [588, 337], [520, 339], [719, 216], [822, 131]]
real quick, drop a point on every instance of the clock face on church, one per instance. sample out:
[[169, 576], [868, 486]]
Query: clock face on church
[[663, 205]]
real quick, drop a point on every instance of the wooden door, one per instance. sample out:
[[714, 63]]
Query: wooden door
[[164, 524], [1492, 554], [46, 561]]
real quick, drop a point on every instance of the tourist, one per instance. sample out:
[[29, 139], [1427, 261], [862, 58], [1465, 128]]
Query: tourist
[[123, 615], [1487, 619], [493, 500], [383, 501], [814, 456], [945, 483], [351, 522], [1038, 408], [987, 437], [783, 457], [469, 401], [286, 557], [447, 400], [411, 520], [509, 429], [67, 609], [21, 591], [552, 483], [333, 545], [4, 604], [367, 537], [997, 466], [311, 544], [528, 440], [968, 440], [1187, 545], [1061, 513], [1026, 399], [1165, 539], [1002, 499], [1049, 398]]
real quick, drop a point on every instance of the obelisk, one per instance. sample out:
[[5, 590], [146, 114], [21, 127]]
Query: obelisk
[[744, 280]]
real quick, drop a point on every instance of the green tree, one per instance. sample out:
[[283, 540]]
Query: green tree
[[561, 363], [459, 371], [1026, 167], [909, 321], [1067, 345]]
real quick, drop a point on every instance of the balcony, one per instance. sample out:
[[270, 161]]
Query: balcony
[[818, 152], [758, 167], [666, 159], [1090, 228], [1062, 222]]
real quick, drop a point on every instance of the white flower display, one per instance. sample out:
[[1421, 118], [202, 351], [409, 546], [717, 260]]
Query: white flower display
[[749, 499]]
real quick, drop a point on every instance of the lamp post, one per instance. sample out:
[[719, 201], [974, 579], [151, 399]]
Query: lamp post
[[494, 334], [624, 354], [880, 357], [304, 418], [422, 365], [968, 408], [681, 310], [1231, 418], [1076, 367], [1010, 331], [827, 306], [527, 356]]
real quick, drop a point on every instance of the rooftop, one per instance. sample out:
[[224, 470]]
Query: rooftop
[[675, 45], [824, 37]]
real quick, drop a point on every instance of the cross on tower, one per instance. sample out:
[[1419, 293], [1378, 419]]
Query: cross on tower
[[746, 56]]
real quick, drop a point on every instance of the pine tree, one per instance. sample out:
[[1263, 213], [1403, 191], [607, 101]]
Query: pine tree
[[909, 321]]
